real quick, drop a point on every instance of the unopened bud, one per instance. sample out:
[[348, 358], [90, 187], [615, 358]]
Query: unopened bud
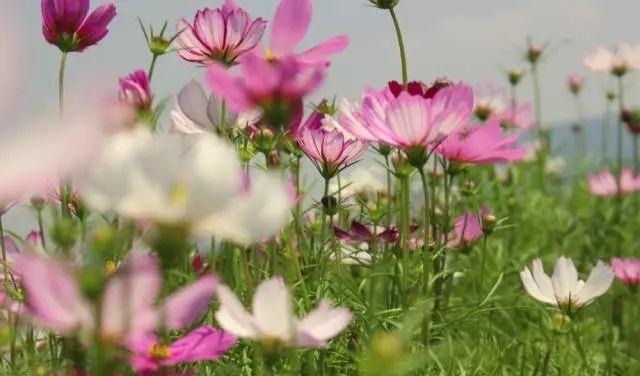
[[488, 224], [64, 233], [533, 53], [384, 4], [330, 205], [560, 323], [468, 188], [514, 76]]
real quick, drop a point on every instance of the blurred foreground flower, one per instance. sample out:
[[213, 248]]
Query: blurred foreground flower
[[627, 270], [273, 322], [289, 26], [195, 113], [195, 183], [564, 289], [222, 34], [605, 183], [65, 23], [55, 299], [201, 344]]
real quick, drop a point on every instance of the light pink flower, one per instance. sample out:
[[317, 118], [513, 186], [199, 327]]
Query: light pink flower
[[482, 144], [273, 322], [65, 23], [519, 118], [289, 26], [575, 83], [135, 90], [201, 344], [605, 183], [627, 270], [490, 100], [413, 118], [55, 300], [220, 35], [276, 87], [624, 58], [327, 147]]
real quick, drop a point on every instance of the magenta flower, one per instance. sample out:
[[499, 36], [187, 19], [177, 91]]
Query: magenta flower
[[417, 117], [361, 233], [575, 83], [219, 35], [482, 144], [55, 300], [201, 344], [65, 23], [627, 270], [135, 90], [290, 25], [326, 146], [605, 183], [468, 228], [276, 87]]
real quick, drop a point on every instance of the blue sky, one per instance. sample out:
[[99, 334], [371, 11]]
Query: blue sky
[[461, 39]]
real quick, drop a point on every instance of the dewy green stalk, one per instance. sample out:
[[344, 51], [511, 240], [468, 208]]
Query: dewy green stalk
[[403, 53]]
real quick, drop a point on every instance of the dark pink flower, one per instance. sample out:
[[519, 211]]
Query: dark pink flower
[[482, 144], [135, 90], [201, 344], [221, 34], [65, 23], [627, 270], [361, 233], [468, 228]]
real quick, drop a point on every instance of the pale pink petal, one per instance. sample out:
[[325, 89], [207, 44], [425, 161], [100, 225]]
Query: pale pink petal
[[273, 310], [186, 305], [322, 324], [289, 25], [232, 316]]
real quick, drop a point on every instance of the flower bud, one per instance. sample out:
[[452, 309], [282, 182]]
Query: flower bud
[[384, 4], [330, 205], [64, 233], [560, 323], [533, 53], [488, 224], [514, 76], [468, 188]]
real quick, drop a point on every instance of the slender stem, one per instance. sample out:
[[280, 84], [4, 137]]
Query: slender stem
[[403, 54], [426, 320], [5, 270], [152, 66], [41, 229], [579, 347], [61, 71], [389, 191], [537, 103], [636, 157], [483, 256], [323, 230], [605, 133], [618, 212]]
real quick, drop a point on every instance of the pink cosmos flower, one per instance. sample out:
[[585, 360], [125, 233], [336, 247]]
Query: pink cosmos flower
[[201, 344], [276, 87], [273, 322], [490, 100], [55, 300], [575, 83], [482, 144], [627, 270], [624, 58], [65, 23], [219, 35], [605, 183], [289, 26], [416, 117], [135, 90], [521, 117], [326, 146], [468, 228]]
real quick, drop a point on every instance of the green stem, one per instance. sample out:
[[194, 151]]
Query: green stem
[[483, 256], [5, 269], [152, 66], [618, 212], [579, 347], [605, 133], [426, 320], [403, 54], [61, 71]]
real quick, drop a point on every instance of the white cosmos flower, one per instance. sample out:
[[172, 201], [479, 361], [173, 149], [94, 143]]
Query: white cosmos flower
[[625, 57], [195, 113], [273, 322], [350, 255], [188, 181], [564, 289]]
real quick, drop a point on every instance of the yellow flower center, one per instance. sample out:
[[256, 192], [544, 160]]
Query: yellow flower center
[[178, 194], [158, 351], [269, 56], [111, 267]]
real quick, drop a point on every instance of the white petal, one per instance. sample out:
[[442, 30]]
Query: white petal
[[565, 279], [273, 311], [542, 280], [232, 316], [598, 283], [322, 324], [532, 288]]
